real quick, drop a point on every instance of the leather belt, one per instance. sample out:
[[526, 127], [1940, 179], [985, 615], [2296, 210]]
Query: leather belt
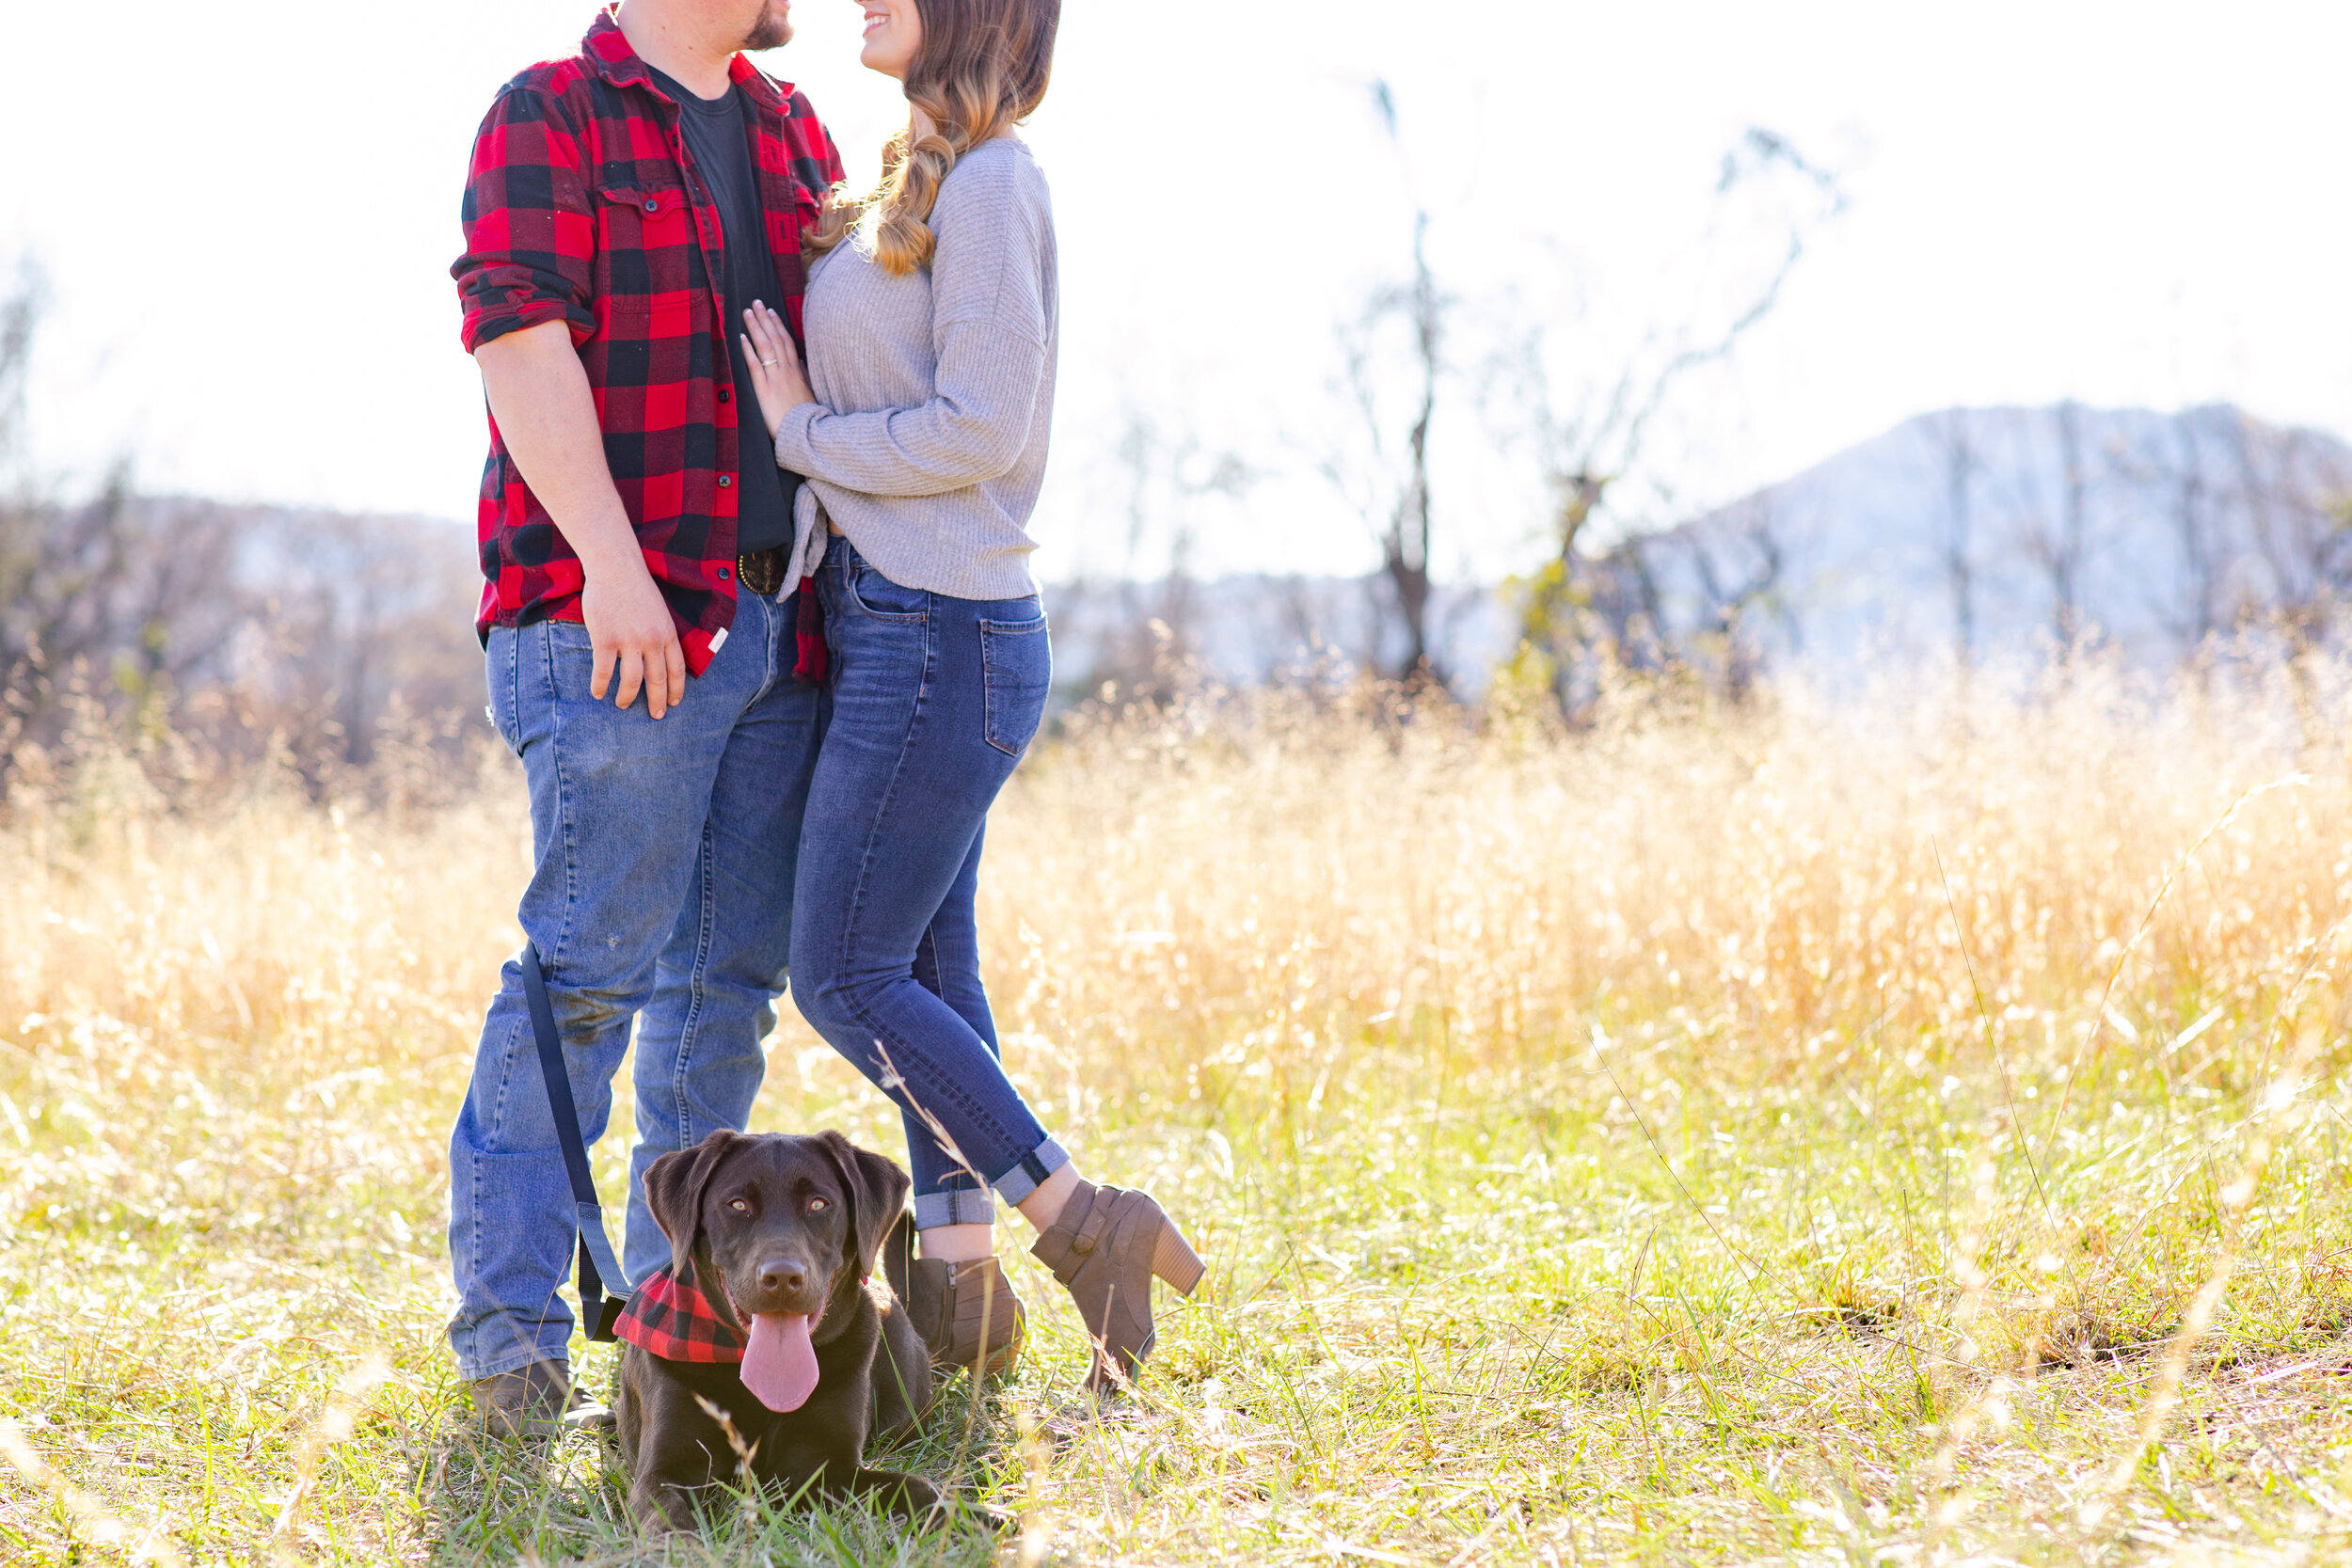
[[762, 571]]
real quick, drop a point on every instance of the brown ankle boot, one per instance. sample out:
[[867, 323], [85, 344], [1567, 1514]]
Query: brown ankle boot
[[966, 1313], [1104, 1248], [526, 1404]]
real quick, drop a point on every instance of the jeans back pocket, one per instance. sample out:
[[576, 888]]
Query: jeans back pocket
[[1017, 671]]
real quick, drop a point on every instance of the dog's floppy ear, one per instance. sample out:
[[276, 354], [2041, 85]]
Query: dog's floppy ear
[[878, 1195], [673, 1191]]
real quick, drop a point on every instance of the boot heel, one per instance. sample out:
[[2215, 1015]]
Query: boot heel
[[1173, 1260]]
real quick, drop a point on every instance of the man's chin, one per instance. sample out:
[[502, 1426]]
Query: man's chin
[[774, 32]]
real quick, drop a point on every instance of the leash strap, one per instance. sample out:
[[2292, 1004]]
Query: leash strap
[[599, 1312]]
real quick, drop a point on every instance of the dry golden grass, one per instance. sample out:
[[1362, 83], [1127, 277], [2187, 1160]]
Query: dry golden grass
[[1797, 1134]]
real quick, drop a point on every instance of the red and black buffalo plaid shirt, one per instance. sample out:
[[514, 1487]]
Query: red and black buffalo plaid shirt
[[670, 1318], [578, 210]]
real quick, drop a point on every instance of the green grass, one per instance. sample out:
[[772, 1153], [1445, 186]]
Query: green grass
[[1714, 1137], [1530, 1323]]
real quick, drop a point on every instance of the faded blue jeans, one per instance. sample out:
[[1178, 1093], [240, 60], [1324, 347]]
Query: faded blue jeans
[[665, 865], [934, 701]]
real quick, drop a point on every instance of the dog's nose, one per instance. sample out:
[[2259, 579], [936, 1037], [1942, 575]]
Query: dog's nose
[[783, 1275]]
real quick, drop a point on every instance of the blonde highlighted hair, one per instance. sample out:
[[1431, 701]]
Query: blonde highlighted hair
[[982, 68]]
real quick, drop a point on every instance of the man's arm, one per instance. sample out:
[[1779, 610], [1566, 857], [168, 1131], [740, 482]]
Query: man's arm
[[546, 416]]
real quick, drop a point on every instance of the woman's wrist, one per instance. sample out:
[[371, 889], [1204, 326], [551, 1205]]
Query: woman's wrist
[[788, 416]]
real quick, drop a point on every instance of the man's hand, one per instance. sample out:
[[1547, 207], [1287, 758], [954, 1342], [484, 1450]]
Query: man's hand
[[547, 418], [776, 374], [629, 627]]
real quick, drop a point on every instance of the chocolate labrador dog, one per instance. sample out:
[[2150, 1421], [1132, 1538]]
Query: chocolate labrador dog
[[769, 1313]]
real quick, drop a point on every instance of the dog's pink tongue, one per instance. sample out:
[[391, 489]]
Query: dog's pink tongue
[[779, 1362]]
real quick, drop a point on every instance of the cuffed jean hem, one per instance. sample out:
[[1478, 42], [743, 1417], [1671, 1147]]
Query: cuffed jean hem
[[523, 1349], [1026, 1178], [967, 1206]]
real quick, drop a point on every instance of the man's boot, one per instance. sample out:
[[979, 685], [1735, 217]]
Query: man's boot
[[526, 1403]]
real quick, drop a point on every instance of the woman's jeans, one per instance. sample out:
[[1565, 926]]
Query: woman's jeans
[[662, 894], [934, 701]]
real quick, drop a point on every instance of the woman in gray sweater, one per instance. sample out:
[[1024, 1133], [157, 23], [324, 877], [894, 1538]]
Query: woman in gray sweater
[[921, 424]]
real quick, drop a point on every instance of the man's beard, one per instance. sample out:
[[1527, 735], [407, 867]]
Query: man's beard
[[774, 29]]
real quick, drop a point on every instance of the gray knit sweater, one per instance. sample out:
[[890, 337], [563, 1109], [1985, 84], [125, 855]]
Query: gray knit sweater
[[935, 391]]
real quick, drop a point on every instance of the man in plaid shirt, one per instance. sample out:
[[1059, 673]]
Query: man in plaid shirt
[[625, 205]]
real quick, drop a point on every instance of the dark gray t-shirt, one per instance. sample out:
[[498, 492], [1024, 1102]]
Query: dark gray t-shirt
[[718, 140]]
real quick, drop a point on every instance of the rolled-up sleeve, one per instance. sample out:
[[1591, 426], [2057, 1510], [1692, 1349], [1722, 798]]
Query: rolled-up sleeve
[[530, 234]]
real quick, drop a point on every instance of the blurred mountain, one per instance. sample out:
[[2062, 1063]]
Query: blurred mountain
[[1975, 534], [1989, 533]]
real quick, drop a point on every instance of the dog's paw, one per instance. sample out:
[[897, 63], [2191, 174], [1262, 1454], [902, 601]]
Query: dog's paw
[[963, 1513], [596, 1419], [659, 1514], [995, 1519]]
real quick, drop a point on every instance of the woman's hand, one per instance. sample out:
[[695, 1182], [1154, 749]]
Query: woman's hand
[[776, 373]]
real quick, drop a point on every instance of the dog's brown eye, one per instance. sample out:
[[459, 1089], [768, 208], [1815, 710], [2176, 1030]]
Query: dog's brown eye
[[817, 1206], [740, 1207]]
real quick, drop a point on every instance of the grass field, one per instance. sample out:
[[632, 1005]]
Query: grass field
[[1910, 1134]]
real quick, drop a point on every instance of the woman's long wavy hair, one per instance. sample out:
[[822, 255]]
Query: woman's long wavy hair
[[982, 68]]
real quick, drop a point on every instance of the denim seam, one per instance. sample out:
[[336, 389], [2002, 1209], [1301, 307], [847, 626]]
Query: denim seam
[[473, 1236], [927, 948], [784, 652], [510, 728], [506, 1058], [882, 807], [770, 618], [988, 693], [564, 815], [697, 987]]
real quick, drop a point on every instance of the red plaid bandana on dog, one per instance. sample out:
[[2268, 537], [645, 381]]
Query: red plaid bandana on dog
[[670, 1318], [578, 208]]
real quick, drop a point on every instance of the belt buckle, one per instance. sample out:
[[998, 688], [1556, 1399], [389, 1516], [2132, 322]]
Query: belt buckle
[[762, 572]]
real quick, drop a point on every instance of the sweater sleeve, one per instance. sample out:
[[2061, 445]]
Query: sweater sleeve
[[989, 336]]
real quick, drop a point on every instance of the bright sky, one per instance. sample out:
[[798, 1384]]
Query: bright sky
[[247, 220]]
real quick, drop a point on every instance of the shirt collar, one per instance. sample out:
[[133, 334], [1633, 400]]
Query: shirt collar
[[621, 65]]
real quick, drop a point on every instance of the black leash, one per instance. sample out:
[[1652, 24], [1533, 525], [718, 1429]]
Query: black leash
[[599, 1311]]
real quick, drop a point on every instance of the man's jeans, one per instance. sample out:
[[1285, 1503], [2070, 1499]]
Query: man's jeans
[[664, 855], [934, 701]]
